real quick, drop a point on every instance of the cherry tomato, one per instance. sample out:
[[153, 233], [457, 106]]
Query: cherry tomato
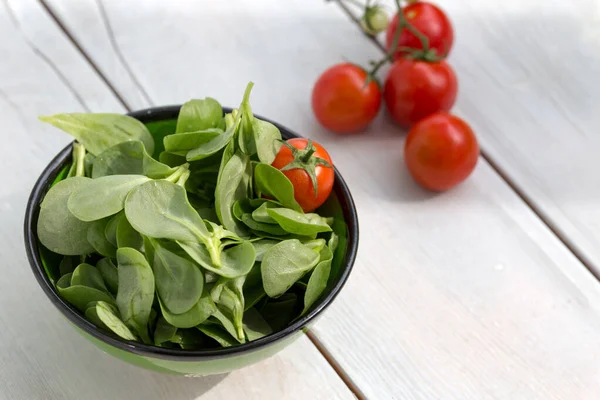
[[341, 101], [441, 151], [310, 158], [429, 20], [415, 89]]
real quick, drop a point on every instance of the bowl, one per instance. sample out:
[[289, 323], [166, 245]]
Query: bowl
[[44, 264]]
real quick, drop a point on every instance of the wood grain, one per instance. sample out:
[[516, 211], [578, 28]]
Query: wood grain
[[41, 356], [463, 295]]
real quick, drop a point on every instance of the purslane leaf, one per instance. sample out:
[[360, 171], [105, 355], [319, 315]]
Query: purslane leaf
[[100, 131]]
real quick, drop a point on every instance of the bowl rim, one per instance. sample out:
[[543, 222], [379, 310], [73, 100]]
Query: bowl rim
[[164, 113]]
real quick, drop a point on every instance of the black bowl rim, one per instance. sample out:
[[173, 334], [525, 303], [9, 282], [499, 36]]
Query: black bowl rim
[[164, 113]]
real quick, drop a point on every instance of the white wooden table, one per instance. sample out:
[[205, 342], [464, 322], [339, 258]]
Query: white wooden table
[[483, 292]]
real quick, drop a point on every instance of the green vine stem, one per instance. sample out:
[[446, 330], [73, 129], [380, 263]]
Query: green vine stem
[[425, 53]]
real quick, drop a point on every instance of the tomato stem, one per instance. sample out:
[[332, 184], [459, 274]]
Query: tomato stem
[[306, 160], [423, 54], [357, 3]]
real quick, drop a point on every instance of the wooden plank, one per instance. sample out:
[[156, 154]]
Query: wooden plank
[[41, 356], [524, 73], [463, 295]]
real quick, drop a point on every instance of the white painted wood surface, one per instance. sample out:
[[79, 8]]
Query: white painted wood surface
[[528, 83], [41, 355], [464, 295]]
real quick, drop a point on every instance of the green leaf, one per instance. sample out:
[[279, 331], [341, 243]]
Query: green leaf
[[232, 185], [110, 232], [341, 230], [333, 241], [309, 224], [109, 273], [88, 164], [92, 315], [189, 339], [255, 325], [164, 332], [87, 275], [159, 209], [108, 316], [272, 182], [102, 197], [262, 227], [129, 158], [223, 320], [280, 312], [98, 132], [64, 281], [127, 236], [78, 163], [253, 287], [179, 282], [236, 260], [58, 229], [266, 136], [199, 313], [196, 115], [170, 159], [136, 290], [229, 298], [241, 207], [158, 130], [80, 296], [97, 238], [181, 143], [261, 214], [246, 140], [148, 249], [285, 263], [213, 146], [261, 246], [68, 265], [218, 334], [315, 244], [318, 279]]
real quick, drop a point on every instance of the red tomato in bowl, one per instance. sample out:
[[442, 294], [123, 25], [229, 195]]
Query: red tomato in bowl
[[429, 20], [441, 151], [415, 89], [340, 100], [304, 191]]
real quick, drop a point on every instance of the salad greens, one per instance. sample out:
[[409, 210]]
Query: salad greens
[[200, 244]]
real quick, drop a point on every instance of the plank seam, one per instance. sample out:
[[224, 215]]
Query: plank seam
[[336, 366], [117, 50], [75, 43]]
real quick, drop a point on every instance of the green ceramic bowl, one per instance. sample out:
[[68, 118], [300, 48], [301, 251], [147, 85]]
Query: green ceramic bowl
[[161, 121]]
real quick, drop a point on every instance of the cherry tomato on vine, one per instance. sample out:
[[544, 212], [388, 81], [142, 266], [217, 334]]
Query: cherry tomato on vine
[[340, 100], [308, 166], [441, 151], [430, 21], [415, 89]]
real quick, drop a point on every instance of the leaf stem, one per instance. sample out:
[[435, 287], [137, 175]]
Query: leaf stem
[[174, 177], [78, 159], [183, 178]]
